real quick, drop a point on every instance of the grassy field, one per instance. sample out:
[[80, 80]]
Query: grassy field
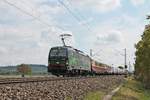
[[132, 90], [94, 96]]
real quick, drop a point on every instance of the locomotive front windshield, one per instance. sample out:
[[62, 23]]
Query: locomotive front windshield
[[58, 52]]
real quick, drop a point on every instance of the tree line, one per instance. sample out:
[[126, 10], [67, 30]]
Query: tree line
[[142, 62]]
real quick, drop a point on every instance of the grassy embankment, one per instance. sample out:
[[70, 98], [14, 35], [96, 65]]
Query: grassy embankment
[[94, 95], [132, 90]]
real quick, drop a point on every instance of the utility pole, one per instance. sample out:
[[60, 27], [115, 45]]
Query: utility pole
[[91, 52], [125, 62], [125, 58]]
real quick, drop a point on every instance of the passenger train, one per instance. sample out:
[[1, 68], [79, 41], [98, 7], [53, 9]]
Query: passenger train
[[66, 60]]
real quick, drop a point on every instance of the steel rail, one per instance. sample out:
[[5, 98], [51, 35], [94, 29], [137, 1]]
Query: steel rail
[[44, 79], [30, 80]]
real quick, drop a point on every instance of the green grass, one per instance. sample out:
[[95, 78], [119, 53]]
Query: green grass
[[94, 96], [132, 90], [68, 98]]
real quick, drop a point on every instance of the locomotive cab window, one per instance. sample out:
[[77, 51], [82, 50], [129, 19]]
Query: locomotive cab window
[[58, 52]]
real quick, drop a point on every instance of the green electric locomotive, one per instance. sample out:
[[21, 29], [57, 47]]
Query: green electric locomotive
[[65, 60]]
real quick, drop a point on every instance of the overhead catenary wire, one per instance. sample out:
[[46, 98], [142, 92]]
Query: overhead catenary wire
[[40, 20], [31, 15], [101, 52], [31, 7], [98, 56], [118, 52], [69, 10], [74, 15], [81, 16], [78, 18]]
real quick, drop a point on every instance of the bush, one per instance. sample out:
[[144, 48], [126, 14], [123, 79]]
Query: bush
[[24, 69]]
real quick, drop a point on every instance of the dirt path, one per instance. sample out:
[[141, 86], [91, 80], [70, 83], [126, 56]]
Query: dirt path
[[109, 96]]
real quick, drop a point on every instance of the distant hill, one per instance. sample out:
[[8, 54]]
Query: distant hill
[[36, 69]]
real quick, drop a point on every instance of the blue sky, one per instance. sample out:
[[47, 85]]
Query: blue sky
[[114, 25]]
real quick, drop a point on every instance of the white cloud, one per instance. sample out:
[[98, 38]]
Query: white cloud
[[107, 41], [28, 45], [99, 5], [116, 33], [137, 2], [24, 39], [110, 37], [28, 10], [86, 21]]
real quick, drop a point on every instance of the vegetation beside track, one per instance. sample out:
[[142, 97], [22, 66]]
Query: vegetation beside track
[[132, 90], [98, 95], [142, 63]]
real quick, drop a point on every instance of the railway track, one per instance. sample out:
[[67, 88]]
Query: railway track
[[37, 79], [40, 79]]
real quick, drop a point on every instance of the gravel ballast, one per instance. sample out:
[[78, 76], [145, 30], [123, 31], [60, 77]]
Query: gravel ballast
[[60, 89]]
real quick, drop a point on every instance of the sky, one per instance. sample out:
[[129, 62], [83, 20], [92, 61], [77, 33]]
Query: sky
[[29, 28]]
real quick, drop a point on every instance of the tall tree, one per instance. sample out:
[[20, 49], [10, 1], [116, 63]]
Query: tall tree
[[142, 63]]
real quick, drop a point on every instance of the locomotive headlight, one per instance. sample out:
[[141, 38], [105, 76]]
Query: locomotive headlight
[[67, 63], [57, 62]]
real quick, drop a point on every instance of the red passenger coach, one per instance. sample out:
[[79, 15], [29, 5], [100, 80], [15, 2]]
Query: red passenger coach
[[100, 68]]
